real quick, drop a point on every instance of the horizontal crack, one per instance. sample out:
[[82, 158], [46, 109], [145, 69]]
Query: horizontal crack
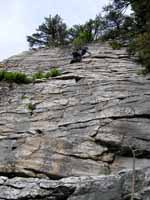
[[12, 174], [69, 77], [144, 116], [141, 138], [111, 57]]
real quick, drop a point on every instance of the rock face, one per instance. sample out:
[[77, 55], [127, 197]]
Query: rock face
[[91, 120], [111, 187]]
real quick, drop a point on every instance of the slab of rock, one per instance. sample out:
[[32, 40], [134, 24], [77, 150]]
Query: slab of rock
[[118, 187], [87, 121]]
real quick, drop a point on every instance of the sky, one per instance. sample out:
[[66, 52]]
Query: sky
[[19, 18]]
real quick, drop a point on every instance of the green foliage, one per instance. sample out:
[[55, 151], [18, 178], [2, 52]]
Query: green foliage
[[143, 72], [98, 27], [141, 43], [113, 17], [74, 32], [52, 32], [81, 40], [2, 75], [117, 25], [53, 73], [31, 107], [16, 77], [21, 78], [24, 97], [79, 35], [133, 30], [113, 24], [140, 46], [115, 44], [142, 14], [141, 9], [38, 75]]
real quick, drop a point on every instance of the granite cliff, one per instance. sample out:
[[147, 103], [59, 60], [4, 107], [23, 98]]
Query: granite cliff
[[84, 131]]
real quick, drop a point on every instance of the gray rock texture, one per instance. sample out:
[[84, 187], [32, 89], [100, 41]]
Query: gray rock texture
[[89, 121], [110, 187]]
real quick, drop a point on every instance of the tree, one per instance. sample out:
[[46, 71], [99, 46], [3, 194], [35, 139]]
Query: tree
[[99, 27], [142, 14], [74, 32], [114, 20], [141, 11], [52, 32], [81, 33], [92, 30], [82, 39], [113, 17], [140, 45]]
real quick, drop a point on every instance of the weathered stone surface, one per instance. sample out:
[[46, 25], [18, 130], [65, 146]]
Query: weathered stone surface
[[85, 122], [109, 187]]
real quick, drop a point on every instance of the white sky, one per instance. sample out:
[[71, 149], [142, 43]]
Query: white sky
[[19, 18]]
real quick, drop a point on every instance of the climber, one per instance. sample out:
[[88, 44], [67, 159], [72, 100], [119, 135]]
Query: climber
[[77, 57], [78, 54], [84, 50]]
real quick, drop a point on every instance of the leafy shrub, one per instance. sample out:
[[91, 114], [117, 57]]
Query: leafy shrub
[[38, 75], [142, 72], [53, 73], [2, 74], [82, 39], [9, 76], [20, 78], [115, 44], [141, 47], [16, 77], [31, 107]]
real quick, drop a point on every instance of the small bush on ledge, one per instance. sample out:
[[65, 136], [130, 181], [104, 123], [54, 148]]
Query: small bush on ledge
[[53, 73], [16, 77], [21, 78], [115, 44], [38, 75]]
